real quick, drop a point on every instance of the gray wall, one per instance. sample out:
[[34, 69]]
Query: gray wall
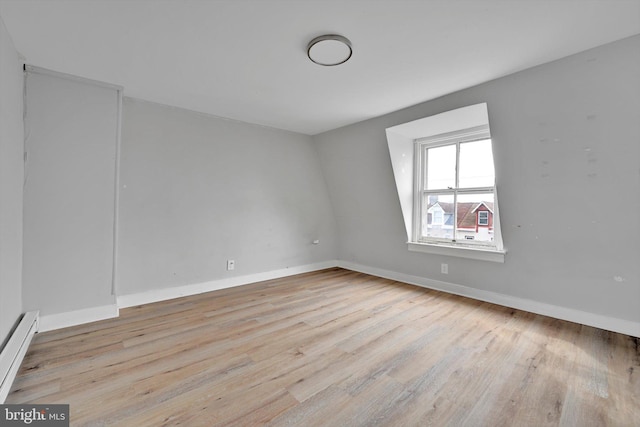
[[69, 194], [11, 177], [196, 190], [567, 145]]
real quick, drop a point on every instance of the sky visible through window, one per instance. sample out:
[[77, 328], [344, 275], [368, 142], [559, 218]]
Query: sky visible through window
[[476, 167]]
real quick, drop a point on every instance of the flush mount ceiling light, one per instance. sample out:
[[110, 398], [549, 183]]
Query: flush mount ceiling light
[[329, 50]]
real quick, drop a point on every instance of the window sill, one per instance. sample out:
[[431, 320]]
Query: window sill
[[481, 254]]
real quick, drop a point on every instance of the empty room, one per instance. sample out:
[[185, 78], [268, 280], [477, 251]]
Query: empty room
[[320, 213]]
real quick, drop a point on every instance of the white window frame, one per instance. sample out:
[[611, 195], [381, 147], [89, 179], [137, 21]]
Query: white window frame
[[474, 249], [486, 217]]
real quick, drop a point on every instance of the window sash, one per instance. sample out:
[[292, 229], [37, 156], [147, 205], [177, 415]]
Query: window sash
[[456, 193]]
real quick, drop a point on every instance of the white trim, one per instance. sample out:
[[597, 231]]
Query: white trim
[[47, 72], [423, 194], [475, 133], [418, 179], [93, 314], [608, 323], [478, 253], [77, 317], [116, 196], [156, 295], [14, 351]]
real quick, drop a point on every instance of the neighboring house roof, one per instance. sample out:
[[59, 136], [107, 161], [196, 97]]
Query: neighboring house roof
[[446, 207], [489, 206], [449, 220], [467, 215], [466, 212]]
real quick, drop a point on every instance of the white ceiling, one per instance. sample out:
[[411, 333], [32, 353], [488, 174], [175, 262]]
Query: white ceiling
[[246, 59]]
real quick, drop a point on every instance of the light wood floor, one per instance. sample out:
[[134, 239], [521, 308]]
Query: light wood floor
[[334, 348]]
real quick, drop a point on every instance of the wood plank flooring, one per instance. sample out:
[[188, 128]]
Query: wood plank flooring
[[333, 348]]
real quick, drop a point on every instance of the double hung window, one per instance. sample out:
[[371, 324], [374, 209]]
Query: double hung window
[[455, 189]]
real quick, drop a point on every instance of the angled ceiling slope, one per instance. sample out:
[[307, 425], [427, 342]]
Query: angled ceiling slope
[[246, 60]]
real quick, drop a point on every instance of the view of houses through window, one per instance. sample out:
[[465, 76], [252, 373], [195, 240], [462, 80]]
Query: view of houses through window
[[474, 218]]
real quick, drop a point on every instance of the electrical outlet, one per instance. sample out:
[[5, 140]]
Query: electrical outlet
[[444, 268], [231, 264]]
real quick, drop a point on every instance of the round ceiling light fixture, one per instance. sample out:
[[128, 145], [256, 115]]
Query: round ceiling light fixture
[[329, 50]]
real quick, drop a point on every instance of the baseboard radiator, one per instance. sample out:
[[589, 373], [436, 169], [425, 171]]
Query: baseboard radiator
[[13, 353]]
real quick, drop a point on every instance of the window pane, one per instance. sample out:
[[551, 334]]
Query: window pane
[[437, 218], [476, 164], [483, 217], [475, 217], [441, 167]]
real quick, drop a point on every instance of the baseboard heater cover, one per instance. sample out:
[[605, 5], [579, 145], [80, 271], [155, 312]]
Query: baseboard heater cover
[[13, 353]]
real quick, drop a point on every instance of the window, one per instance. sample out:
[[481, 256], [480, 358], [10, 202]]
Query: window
[[437, 216], [455, 182], [444, 175], [483, 218]]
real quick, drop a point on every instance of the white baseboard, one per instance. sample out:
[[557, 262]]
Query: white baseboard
[[622, 326], [14, 351], [50, 322], [62, 320], [156, 295]]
